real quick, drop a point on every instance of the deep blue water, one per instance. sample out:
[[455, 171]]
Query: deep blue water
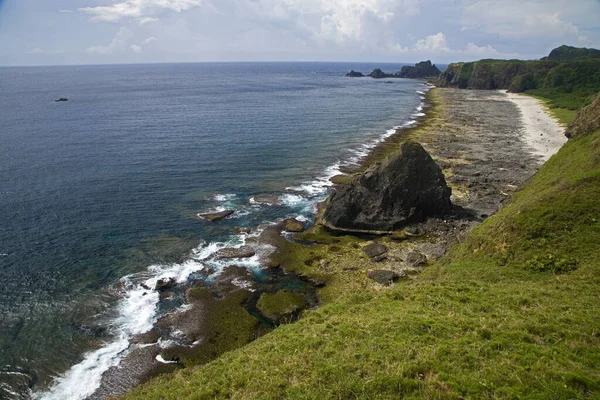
[[111, 181]]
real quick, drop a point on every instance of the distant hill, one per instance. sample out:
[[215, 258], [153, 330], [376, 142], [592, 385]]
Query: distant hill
[[572, 53], [569, 76]]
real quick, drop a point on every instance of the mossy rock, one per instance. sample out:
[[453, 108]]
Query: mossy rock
[[282, 306]]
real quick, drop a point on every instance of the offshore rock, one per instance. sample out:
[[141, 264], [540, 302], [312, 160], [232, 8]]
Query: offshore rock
[[406, 187], [235, 252], [424, 69], [354, 74], [216, 216]]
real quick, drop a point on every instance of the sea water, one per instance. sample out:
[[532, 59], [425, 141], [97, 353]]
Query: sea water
[[100, 195]]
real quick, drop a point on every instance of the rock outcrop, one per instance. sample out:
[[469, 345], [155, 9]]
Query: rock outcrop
[[355, 74], [378, 74], [587, 120], [424, 69], [216, 216], [406, 187]]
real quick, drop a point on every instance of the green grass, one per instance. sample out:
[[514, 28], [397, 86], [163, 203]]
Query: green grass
[[485, 322], [563, 115]]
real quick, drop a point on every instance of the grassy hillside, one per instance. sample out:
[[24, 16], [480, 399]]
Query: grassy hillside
[[510, 313]]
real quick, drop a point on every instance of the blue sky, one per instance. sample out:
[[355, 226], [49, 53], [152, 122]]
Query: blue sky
[[42, 32]]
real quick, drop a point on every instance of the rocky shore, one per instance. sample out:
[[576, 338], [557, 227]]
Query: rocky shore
[[475, 138]]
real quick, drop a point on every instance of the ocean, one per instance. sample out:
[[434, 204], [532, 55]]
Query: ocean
[[106, 188]]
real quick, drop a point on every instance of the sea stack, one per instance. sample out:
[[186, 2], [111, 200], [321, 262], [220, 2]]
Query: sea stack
[[406, 187]]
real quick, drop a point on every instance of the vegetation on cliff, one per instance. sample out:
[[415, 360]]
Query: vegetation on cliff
[[572, 53], [567, 83]]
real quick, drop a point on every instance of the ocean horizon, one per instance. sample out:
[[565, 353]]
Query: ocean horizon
[[101, 194]]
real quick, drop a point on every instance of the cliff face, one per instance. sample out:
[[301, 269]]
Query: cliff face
[[567, 70], [513, 75], [587, 120]]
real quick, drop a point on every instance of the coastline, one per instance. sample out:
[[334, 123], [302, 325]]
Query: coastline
[[481, 147], [443, 233]]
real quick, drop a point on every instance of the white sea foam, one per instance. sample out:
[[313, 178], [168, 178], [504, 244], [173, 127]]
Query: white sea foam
[[137, 313], [221, 197], [291, 200], [420, 92], [419, 114]]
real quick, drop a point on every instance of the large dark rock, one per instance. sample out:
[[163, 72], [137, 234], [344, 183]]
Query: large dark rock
[[406, 187], [424, 69], [354, 74], [378, 74], [216, 216], [385, 277], [373, 250], [235, 252]]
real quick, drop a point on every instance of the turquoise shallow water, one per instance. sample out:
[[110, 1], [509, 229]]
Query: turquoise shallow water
[[110, 182]]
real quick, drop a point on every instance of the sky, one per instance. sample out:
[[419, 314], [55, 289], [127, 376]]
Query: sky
[[57, 32]]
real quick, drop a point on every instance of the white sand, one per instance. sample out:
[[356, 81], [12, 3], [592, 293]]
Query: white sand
[[542, 133]]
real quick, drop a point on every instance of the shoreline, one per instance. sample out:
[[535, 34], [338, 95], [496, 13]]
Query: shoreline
[[434, 111], [543, 133]]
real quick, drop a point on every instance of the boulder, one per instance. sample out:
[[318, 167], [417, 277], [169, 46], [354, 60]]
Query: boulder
[[235, 252], [406, 187], [373, 250], [293, 225], [239, 230], [385, 277], [354, 74], [216, 216], [415, 259], [268, 199], [165, 284]]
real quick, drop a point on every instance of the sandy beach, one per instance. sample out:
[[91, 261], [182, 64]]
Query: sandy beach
[[541, 132]]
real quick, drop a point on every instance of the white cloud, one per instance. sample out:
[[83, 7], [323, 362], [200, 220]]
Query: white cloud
[[148, 20], [118, 44], [139, 9], [135, 48], [518, 19], [149, 40], [433, 43]]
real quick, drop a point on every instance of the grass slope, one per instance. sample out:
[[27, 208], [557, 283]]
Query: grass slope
[[511, 313]]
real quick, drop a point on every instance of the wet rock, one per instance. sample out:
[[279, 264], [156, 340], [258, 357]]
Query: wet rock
[[268, 199], [216, 216], [238, 230], [62, 99], [385, 277], [235, 252], [163, 285], [149, 337], [406, 187], [354, 74], [374, 250], [232, 278], [415, 259], [293, 225]]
